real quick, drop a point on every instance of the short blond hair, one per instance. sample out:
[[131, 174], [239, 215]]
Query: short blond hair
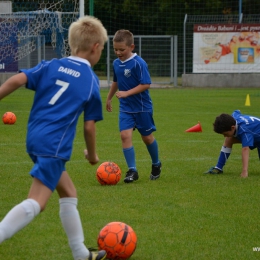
[[85, 32]]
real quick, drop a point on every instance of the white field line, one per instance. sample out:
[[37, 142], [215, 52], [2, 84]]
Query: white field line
[[209, 158]]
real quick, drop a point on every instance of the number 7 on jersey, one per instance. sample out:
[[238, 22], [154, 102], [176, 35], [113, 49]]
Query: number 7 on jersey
[[64, 85]]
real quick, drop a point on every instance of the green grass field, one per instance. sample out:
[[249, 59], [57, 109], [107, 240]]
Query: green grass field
[[184, 215]]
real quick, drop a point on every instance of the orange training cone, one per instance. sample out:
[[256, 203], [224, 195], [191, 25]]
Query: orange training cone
[[195, 128]]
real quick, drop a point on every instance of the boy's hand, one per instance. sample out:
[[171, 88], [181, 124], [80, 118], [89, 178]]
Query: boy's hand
[[93, 160], [244, 174], [121, 94], [109, 106]]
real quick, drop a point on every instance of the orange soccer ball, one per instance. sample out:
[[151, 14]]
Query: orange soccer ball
[[108, 173], [9, 118], [118, 240]]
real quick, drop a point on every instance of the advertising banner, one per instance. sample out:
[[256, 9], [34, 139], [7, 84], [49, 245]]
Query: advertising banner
[[226, 48]]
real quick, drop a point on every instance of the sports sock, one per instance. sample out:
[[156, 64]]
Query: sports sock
[[18, 217], [129, 154], [153, 151], [223, 156], [71, 222]]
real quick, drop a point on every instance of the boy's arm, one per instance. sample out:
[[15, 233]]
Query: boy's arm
[[136, 90], [245, 159], [90, 139], [12, 84], [110, 95]]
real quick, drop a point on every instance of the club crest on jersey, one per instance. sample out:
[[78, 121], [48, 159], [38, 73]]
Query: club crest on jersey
[[127, 73]]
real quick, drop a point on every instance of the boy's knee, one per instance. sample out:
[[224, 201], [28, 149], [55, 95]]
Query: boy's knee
[[149, 139], [32, 207]]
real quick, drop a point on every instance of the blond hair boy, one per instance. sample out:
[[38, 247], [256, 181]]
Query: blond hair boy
[[64, 88]]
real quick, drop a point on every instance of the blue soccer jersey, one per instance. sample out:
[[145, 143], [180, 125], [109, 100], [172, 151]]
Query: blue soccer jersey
[[64, 88], [247, 129], [129, 74]]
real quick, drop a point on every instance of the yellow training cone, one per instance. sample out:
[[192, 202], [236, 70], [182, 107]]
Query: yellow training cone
[[247, 100]]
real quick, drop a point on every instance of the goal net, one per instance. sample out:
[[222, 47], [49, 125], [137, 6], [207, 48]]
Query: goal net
[[26, 27]]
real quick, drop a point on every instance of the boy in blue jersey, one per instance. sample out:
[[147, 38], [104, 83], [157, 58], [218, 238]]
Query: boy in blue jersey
[[130, 84], [237, 128], [64, 88]]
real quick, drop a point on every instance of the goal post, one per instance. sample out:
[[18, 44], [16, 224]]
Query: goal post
[[24, 25]]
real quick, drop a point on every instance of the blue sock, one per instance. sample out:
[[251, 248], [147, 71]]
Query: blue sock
[[223, 156], [153, 151], [129, 154]]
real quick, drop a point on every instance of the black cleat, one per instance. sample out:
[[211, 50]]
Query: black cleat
[[100, 255], [214, 170], [156, 171], [131, 176]]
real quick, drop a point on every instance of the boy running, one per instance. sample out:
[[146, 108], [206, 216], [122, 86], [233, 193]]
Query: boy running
[[130, 84]]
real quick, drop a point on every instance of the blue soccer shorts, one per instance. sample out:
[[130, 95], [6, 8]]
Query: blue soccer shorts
[[48, 170], [142, 121]]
